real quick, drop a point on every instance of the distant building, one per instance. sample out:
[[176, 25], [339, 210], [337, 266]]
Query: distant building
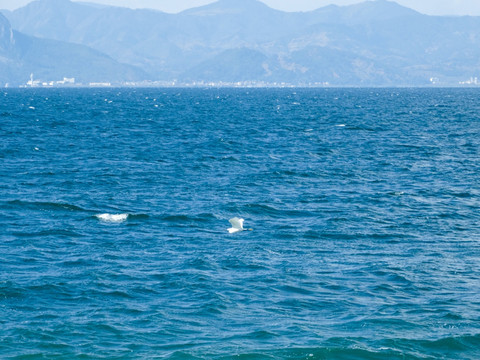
[[33, 83], [66, 81], [100, 84], [471, 81], [37, 83]]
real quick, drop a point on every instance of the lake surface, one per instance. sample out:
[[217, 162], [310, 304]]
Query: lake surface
[[364, 204]]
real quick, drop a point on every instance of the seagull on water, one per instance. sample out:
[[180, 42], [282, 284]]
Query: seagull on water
[[237, 225]]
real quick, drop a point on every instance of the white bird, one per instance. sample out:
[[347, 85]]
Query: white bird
[[237, 225]]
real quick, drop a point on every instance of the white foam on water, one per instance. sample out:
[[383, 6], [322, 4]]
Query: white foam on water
[[115, 218]]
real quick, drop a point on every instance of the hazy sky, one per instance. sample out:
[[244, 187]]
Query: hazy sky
[[433, 7]]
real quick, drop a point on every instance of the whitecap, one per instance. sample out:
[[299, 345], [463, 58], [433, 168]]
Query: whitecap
[[112, 217]]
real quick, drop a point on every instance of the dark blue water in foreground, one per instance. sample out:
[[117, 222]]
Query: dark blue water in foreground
[[364, 204]]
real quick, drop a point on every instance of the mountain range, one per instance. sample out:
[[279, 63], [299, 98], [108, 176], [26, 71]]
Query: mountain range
[[374, 43], [21, 55]]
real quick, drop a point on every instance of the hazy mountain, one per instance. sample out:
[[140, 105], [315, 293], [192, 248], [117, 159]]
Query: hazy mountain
[[51, 60], [8, 66], [372, 43]]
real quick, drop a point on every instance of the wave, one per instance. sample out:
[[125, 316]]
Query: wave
[[182, 218], [44, 205], [120, 217], [464, 347], [66, 207], [271, 211], [53, 232], [112, 218], [325, 353]]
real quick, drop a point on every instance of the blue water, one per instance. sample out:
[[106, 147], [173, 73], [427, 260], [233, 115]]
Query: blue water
[[364, 204]]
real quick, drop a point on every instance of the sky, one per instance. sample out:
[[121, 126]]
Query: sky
[[431, 7]]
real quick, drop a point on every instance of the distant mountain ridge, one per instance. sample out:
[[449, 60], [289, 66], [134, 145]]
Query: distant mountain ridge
[[375, 43], [52, 60]]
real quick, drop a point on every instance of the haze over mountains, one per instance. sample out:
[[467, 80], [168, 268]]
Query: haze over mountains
[[375, 43]]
